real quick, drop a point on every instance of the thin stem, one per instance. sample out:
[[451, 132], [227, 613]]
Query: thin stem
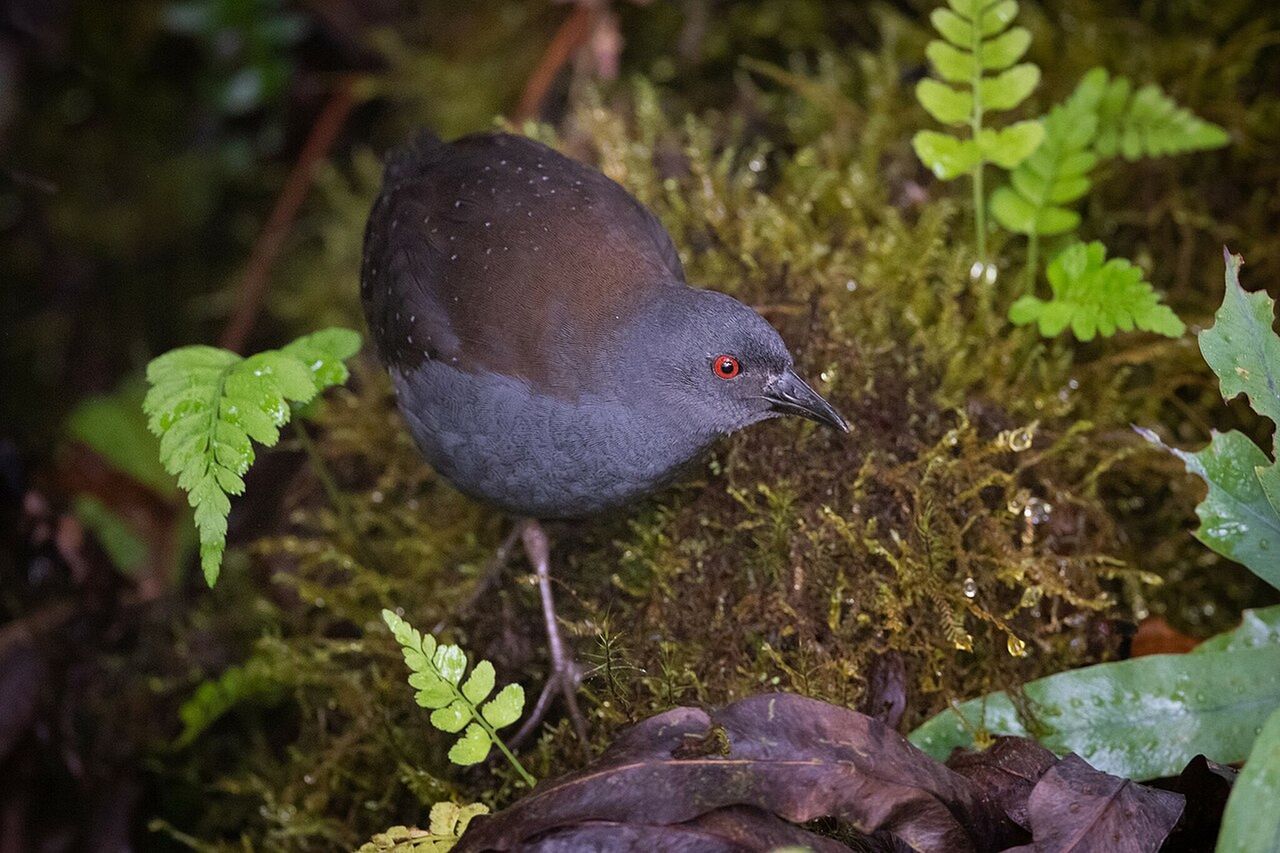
[[1033, 262], [515, 762], [975, 130], [980, 217]]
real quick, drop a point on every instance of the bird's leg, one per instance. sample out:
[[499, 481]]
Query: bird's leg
[[565, 674]]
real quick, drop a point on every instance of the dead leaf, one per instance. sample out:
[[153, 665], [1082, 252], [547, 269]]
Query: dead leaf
[[1155, 636], [797, 758], [1205, 785], [1076, 809], [732, 830], [1006, 773]]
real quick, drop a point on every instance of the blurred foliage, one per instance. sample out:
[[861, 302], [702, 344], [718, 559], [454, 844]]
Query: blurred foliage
[[989, 521]]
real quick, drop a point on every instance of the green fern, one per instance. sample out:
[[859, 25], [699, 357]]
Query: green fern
[[437, 672], [448, 822], [1057, 173], [976, 39], [209, 405], [1093, 296], [1147, 123]]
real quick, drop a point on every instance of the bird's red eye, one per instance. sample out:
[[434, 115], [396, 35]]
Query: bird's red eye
[[726, 366]]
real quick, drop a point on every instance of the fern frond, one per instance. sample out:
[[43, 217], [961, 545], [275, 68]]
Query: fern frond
[[209, 405], [1148, 123], [448, 822], [1057, 173], [976, 40], [455, 704], [1093, 296]]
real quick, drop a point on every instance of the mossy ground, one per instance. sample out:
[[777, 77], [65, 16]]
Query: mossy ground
[[991, 518]]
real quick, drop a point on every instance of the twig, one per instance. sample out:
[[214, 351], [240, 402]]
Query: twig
[[253, 283], [572, 34]]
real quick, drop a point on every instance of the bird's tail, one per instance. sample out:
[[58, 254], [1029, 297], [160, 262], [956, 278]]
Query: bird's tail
[[409, 159]]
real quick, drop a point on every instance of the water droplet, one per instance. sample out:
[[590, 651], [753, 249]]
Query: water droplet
[[964, 643], [1017, 648], [756, 164], [851, 285], [985, 273], [969, 587], [1020, 439], [1037, 511]]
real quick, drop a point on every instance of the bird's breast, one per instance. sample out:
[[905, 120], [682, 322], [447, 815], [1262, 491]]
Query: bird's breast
[[542, 455]]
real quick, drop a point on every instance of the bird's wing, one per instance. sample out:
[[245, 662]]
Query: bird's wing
[[495, 253]]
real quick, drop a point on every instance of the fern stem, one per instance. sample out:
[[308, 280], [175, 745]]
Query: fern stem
[[975, 130], [512, 760], [1033, 262]]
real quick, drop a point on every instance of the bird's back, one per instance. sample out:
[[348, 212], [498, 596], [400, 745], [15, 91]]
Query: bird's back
[[495, 254]]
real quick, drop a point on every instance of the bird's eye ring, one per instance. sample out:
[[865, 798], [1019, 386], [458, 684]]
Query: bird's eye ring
[[726, 366]]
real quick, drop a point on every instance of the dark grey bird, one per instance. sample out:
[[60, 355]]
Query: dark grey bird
[[547, 353]]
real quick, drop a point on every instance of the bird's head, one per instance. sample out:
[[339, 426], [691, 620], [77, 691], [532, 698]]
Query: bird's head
[[721, 365]]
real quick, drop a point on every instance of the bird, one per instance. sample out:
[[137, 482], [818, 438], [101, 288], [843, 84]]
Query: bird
[[547, 354]]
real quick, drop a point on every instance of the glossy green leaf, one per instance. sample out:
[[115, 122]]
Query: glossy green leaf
[[1260, 627], [947, 105], [1140, 718], [450, 662], [1093, 296], [1251, 823], [946, 156], [1241, 347], [472, 747], [1009, 88], [1236, 519]]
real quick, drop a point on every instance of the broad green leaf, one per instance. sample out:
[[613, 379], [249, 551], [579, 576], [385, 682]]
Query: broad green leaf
[[479, 684], [951, 63], [1236, 519], [472, 747], [1251, 823], [1011, 145], [506, 707], [1005, 49], [946, 156], [947, 105], [1093, 296], [452, 717], [1140, 718], [1009, 88], [1259, 627], [1242, 349]]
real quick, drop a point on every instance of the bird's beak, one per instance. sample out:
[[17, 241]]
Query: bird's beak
[[791, 395]]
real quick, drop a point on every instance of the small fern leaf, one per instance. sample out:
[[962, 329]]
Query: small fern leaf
[[436, 671], [209, 405], [1148, 123], [977, 59], [1055, 175], [1093, 296]]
